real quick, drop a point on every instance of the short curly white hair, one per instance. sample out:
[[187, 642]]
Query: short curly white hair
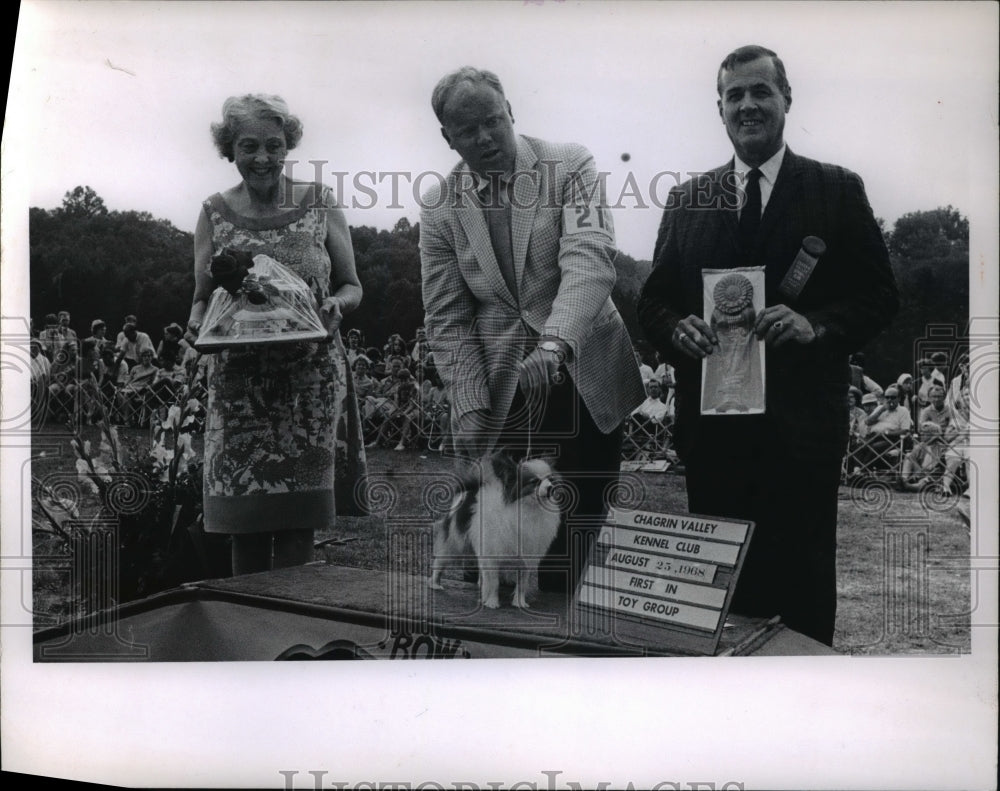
[[253, 105]]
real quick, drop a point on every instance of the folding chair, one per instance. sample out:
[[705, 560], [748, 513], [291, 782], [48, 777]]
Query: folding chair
[[875, 456], [374, 411], [157, 400], [644, 439], [435, 425]]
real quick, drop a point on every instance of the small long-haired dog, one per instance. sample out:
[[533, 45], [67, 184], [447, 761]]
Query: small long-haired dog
[[507, 519]]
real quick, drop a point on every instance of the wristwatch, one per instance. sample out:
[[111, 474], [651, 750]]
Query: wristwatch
[[553, 347]]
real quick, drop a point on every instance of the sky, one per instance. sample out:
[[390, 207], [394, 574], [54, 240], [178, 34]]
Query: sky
[[120, 96]]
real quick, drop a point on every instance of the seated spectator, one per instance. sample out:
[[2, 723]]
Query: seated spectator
[[395, 347], [647, 419], [50, 337], [129, 319], [90, 359], [173, 343], [868, 403], [353, 346], [133, 343], [393, 366], [99, 334], [928, 378], [645, 371], [378, 401], [664, 373], [377, 366], [418, 351], [405, 409], [653, 409], [936, 412], [364, 384], [956, 398], [857, 417], [64, 384], [921, 462], [132, 397], [887, 423], [170, 378], [112, 370], [68, 333], [940, 362], [905, 386], [397, 362], [889, 419], [41, 368]]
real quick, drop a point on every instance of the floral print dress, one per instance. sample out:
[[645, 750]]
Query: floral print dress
[[282, 431]]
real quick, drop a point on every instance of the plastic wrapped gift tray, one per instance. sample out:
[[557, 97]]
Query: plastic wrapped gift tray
[[287, 313]]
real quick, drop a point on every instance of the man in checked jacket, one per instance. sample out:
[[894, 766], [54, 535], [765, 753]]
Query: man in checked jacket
[[780, 469], [517, 256]]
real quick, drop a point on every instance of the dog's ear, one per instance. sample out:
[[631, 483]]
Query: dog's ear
[[505, 468], [501, 459], [550, 460]]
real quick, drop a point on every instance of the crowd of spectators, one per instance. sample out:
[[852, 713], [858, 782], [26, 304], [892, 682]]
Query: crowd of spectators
[[400, 393], [90, 378], [917, 426]]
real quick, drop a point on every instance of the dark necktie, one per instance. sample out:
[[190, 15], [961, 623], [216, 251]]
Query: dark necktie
[[750, 215], [498, 217]]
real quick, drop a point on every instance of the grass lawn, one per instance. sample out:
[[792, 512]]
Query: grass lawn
[[903, 558]]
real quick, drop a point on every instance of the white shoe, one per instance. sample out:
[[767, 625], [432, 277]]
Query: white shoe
[[399, 447]]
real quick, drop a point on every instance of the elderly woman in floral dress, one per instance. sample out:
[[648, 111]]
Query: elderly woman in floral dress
[[274, 435]]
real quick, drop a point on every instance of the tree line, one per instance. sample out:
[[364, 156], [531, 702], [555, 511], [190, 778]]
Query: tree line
[[97, 263]]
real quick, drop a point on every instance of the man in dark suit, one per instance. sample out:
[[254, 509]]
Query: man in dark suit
[[780, 469], [517, 257]]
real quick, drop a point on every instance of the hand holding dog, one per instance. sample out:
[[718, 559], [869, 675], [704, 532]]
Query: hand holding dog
[[537, 373]]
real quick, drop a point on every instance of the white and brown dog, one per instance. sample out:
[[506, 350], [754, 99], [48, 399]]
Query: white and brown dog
[[507, 519]]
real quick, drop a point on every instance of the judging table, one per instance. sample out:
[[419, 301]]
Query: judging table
[[321, 611]]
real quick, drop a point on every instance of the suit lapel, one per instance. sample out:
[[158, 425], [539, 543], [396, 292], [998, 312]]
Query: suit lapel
[[723, 199], [525, 205], [473, 221]]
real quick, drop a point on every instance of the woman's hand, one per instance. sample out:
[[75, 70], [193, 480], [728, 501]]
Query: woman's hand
[[193, 328], [332, 314]]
